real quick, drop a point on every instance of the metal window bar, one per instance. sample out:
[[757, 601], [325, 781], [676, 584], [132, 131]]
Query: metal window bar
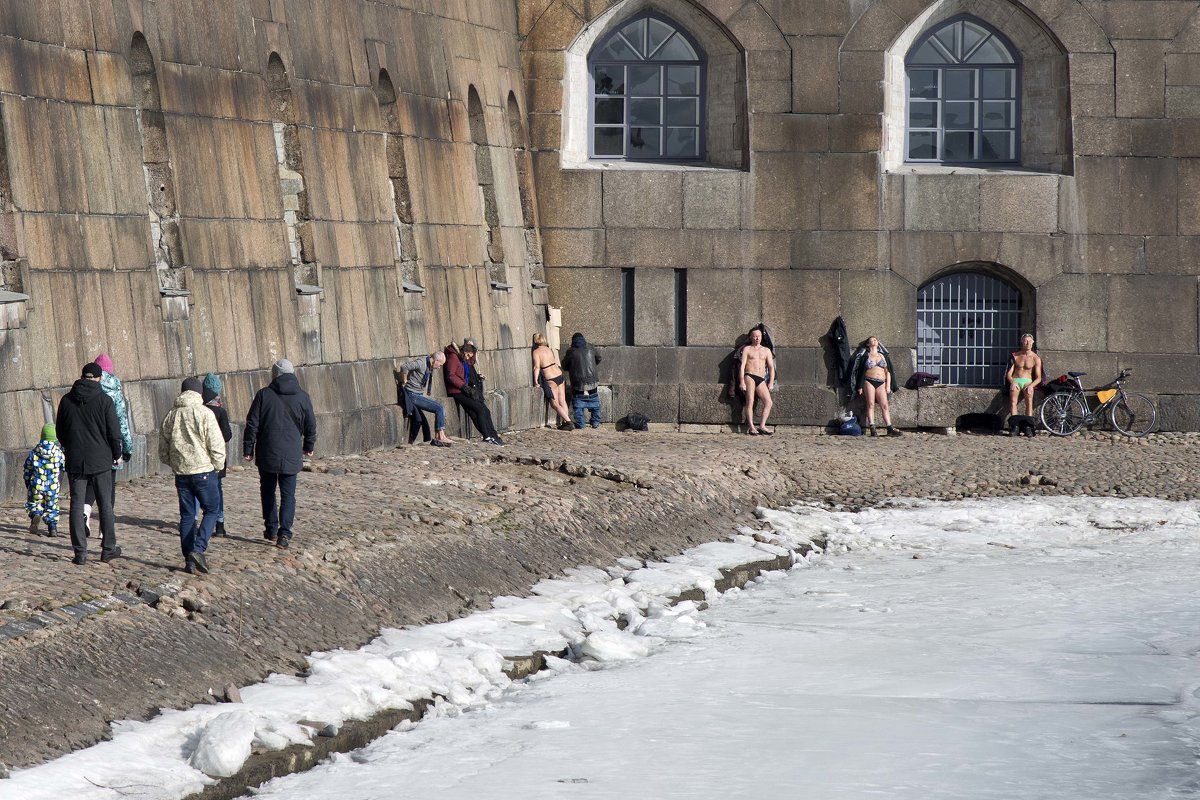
[[967, 325]]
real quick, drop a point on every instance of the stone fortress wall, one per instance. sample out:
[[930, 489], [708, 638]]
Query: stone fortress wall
[[1098, 227], [210, 186]]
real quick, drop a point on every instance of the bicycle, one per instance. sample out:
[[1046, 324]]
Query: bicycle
[[1064, 413]]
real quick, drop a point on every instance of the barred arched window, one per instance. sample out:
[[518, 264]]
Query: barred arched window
[[963, 81], [967, 325], [647, 93]]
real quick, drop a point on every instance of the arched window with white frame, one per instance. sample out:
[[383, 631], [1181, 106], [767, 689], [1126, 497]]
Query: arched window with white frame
[[647, 93], [963, 91]]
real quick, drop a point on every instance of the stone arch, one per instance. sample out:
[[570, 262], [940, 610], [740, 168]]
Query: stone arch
[[726, 129], [1045, 102], [156, 165], [289, 158], [404, 238], [520, 145], [485, 176]]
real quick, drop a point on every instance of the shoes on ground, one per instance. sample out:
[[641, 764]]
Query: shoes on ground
[[567, 426], [873, 431], [439, 443], [892, 431], [282, 542], [220, 530], [80, 559], [51, 531], [270, 537], [199, 560], [764, 431], [110, 555], [33, 525], [496, 440]]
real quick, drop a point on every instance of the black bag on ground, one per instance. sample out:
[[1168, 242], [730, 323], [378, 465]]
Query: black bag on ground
[[1062, 383], [637, 422], [920, 379]]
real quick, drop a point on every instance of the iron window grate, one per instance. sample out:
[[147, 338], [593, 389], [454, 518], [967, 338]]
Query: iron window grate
[[967, 326]]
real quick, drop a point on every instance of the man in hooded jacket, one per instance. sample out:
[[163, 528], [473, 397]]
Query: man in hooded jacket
[[90, 434], [281, 430], [190, 443], [580, 362]]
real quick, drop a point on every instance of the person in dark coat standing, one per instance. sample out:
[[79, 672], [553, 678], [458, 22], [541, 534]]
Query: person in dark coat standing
[[580, 361], [90, 434], [281, 429]]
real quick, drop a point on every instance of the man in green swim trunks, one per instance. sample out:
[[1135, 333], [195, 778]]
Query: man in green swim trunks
[[1024, 375]]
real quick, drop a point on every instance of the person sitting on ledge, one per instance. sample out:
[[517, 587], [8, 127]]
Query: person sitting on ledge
[[416, 375], [1024, 374], [464, 384], [873, 377], [757, 376]]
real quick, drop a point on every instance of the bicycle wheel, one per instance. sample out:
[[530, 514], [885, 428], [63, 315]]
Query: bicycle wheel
[[1133, 415], [1062, 414]]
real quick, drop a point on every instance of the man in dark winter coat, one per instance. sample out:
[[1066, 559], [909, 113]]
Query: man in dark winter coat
[[281, 429], [90, 434], [580, 362], [464, 384]]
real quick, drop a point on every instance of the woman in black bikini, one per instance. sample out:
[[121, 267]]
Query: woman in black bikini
[[874, 378], [549, 375]]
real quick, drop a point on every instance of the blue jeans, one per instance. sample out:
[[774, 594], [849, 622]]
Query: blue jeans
[[197, 490], [589, 402], [277, 521], [425, 403], [220, 501]]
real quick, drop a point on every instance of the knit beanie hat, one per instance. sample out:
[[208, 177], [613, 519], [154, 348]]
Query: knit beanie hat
[[212, 382], [192, 385], [282, 367], [105, 363], [49, 432]]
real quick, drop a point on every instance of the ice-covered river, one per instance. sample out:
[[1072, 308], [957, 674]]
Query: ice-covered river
[[1008, 649], [1017, 648]]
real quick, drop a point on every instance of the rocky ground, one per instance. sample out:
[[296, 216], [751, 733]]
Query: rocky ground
[[419, 534]]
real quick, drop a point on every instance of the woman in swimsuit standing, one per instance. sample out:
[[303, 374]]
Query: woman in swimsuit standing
[[874, 377], [549, 375]]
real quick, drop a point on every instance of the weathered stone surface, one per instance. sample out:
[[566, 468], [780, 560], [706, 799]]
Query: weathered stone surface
[[643, 199], [713, 200], [786, 292], [850, 191], [1073, 313], [654, 307], [1140, 88], [941, 202], [815, 73], [1025, 203], [722, 304], [1152, 314], [889, 314]]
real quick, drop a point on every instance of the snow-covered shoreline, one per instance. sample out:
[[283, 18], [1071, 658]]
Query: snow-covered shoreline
[[593, 615]]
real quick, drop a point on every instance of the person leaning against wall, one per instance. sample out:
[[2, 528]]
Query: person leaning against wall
[[581, 363]]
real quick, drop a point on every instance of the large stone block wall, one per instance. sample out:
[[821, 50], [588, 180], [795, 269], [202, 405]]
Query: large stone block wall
[[245, 184], [1099, 228]]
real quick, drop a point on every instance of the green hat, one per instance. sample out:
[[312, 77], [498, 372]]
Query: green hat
[[49, 432]]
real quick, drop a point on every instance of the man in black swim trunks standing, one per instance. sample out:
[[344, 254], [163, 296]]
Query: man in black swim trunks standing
[[757, 374]]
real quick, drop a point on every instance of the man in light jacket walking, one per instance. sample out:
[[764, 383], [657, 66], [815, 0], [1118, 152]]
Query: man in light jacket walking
[[281, 429], [190, 442]]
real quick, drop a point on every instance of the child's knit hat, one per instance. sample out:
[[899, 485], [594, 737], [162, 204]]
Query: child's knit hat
[[49, 432]]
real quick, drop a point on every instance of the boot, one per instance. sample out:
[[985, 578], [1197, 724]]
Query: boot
[[873, 431], [891, 430], [51, 531], [33, 525], [220, 529]]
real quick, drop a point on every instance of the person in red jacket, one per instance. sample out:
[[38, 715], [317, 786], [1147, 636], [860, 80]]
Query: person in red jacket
[[464, 384]]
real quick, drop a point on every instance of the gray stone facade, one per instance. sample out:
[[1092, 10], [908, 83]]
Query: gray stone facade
[[1094, 227]]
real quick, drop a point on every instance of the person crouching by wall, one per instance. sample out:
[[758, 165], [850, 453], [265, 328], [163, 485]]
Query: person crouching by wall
[[464, 384], [191, 444], [581, 361], [43, 467], [874, 378]]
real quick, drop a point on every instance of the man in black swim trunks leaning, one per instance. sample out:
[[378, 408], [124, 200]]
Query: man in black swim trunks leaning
[[756, 375]]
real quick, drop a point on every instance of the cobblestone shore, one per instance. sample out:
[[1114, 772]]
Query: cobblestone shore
[[418, 534]]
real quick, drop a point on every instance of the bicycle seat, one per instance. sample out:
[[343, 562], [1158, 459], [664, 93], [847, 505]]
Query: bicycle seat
[[1077, 374]]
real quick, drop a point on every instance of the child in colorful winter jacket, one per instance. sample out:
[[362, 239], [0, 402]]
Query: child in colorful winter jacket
[[43, 468]]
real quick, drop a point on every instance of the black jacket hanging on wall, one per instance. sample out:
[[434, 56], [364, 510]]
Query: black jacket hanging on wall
[[841, 351]]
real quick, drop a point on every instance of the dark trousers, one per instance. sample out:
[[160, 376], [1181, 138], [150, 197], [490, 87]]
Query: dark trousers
[[90, 497], [479, 413], [202, 490], [418, 423], [277, 520], [101, 484]]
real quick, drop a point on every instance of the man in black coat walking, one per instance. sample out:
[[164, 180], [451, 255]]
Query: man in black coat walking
[[90, 434], [281, 429]]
